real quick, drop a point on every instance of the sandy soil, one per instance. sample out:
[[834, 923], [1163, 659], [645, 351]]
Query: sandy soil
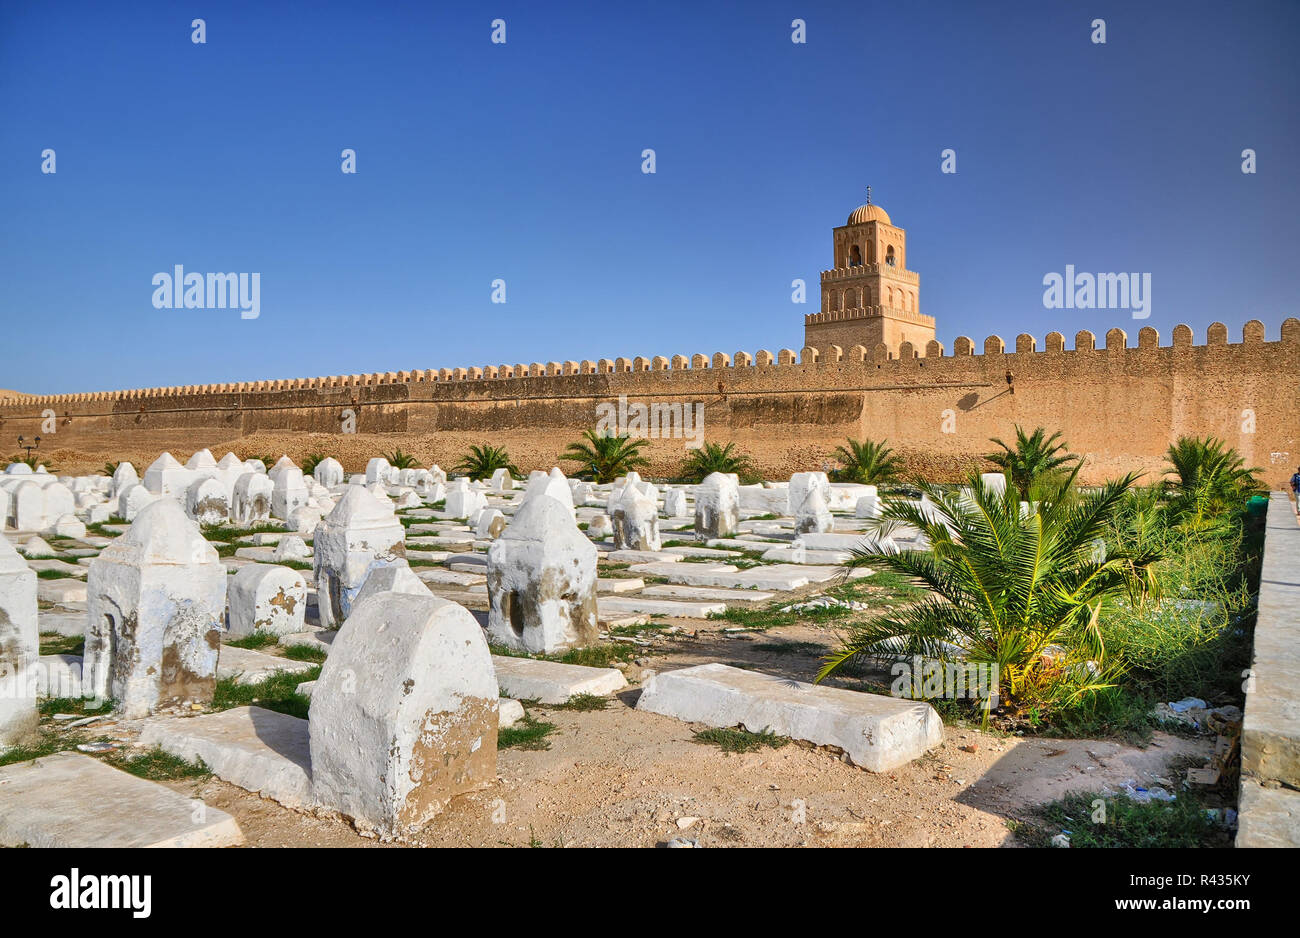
[[620, 777]]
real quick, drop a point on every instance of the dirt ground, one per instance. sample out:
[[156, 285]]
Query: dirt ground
[[620, 777]]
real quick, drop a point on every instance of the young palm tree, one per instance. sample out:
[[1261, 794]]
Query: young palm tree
[[481, 461], [1205, 478], [400, 460], [110, 468], [1035, 459], [311, 461], [714, 457], [867, 462], [1007, 585], [605, 456]]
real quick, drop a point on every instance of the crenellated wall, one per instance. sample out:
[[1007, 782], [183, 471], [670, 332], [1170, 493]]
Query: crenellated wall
[[1117, 403]]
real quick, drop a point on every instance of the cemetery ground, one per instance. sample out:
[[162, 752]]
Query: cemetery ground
[[605, 774], [765, 579]]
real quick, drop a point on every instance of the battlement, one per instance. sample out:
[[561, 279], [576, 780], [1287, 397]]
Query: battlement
[[1116, 341], [868, 312], [861, 270]]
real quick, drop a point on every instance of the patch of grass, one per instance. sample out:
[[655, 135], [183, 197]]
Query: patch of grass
[[256, 640], [55, 644], [159, 765], [228, 532], [582, 703], [277, 692], [1128, 823], [600, 656], [305, 653], [738, 740], [47, 744], [54, 574], [528, 733], [49, 706]]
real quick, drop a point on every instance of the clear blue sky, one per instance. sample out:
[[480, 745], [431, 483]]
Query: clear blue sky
[[523, 162]]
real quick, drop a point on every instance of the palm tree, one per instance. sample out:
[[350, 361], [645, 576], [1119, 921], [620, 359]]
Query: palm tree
[[714, 457], [1035, 459], [109, 468], [400, 460], [867, 462], [1018, 590], [311, 461], [605, 456], [34, 461], [481, 461], [1205, 478]]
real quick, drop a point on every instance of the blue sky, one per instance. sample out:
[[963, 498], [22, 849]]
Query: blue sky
[[522, 162]]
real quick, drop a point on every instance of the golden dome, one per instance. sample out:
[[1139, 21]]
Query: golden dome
[[868, 212]]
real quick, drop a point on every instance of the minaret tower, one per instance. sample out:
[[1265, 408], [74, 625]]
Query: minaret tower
[[869, 296]]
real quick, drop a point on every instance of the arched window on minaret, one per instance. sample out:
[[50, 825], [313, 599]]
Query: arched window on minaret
[[866, 297], [889, 255], [850, 299], [855, 256]]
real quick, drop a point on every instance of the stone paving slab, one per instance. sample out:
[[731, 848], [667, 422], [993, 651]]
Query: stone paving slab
[[320, 639], [806, 556], [878, 733], [552, 682], [613, 584], [72, 800], [1266, 817], [59, 566], [449, 577], [638, 605], [261, 751], [706, 553], [705, 593], [247, 666], [61, 621], [1270, 735], [642, 556]]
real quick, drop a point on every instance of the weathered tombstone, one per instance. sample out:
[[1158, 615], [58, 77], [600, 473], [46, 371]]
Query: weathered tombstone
[[156, 600], [553, 484], [599, 527], [436, 474], [4, 508], [995, 482], [292, 547], [674, 503], [462, 500], [501, 481], [124, 476], [360, 533], [801, 483], [329, 471], [207, 502], [252, 500], [430, 490], [404, 714], [635, 516], [67, 526], [582, 493], [36, 547], [868, 505], [133, 500], [717, 506], [813, 516], [288, 493], [166, 476], [26, 507], [377, 470], [266, 598], [491, 522], [281, 464], [393, 578], [19, 648], [541, 579]]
